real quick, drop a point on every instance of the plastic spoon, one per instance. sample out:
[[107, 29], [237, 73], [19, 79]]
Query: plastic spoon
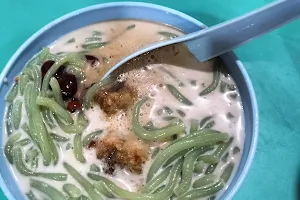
[[221, 38]]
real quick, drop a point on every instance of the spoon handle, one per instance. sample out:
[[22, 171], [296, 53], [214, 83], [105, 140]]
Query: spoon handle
[[226, 36]]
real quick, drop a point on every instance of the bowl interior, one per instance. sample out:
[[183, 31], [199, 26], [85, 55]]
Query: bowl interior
[[111, 11]]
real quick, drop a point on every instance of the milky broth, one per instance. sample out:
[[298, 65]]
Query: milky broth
[[173, 65], [122, 43]]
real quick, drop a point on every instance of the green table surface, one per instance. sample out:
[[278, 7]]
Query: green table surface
[[272, 61]]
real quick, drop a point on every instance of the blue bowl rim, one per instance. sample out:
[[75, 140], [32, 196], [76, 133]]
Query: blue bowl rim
[[254, 106]]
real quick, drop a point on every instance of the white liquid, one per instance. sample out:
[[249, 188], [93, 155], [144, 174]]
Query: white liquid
[[183, 66]]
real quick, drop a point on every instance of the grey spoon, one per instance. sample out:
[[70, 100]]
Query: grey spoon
[[221, 38]]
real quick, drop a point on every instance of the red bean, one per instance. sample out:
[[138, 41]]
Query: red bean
[[73, 105], [68, 85], [91, 59], [60, 72], [92, 144], [46, 66]]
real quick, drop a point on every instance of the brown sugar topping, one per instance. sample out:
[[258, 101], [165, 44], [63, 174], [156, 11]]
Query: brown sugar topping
[[126, 153], [112, 101]]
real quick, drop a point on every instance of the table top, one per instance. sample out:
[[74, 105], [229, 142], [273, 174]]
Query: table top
[[272, 61]]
